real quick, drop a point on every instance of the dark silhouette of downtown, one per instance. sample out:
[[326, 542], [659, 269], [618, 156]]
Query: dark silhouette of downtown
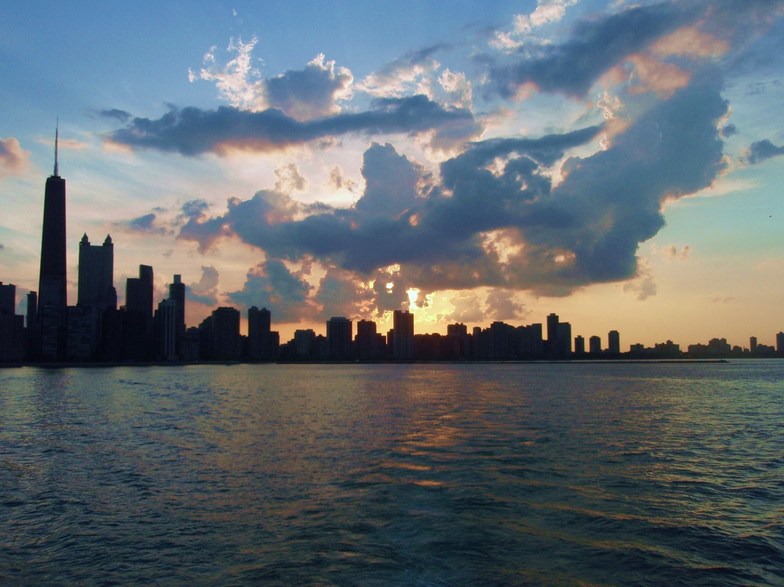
[[95, 330]]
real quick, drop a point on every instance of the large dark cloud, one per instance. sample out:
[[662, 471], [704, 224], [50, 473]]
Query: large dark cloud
[[595, 46], [762, 150], [272, 285], [192, 131], [494, 218]]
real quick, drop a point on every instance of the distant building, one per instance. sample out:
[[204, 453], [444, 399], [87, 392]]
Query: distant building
[[402, 335], [7, 299], [226, 334], [138, 292], [564, 341], [262, 342], [12, 331], [303, 343], [96, 274], [96, 295], [177, 293], [166, 330], [595, 345], [138, 339], [579, 345], [780, 343], [368, 342], [339, 335], [614, 342]]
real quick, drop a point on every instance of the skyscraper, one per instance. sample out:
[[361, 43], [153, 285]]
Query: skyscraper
[[403, 334], [50, 331], [339, 333], [138, 292], [614, 342], [262, 342], [96, 274], [177, 293]]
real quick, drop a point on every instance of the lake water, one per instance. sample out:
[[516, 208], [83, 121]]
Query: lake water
[[475, 474]]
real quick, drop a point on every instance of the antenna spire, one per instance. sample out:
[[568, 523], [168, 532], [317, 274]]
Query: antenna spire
[[56, 139]]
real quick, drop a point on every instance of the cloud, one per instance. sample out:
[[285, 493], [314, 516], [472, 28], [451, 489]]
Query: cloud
[[144, 224], [340, 293], [407, 74], [14, 160], [672, 252], [289, 179], [338, 180], [643, 286], [312, 92], [763, 150], [729, 130], [595, 47], [546, 12], [492, 216], [467, 308], [115, 114], [502, 305], [272, 285], [192, 131], [204, 291]]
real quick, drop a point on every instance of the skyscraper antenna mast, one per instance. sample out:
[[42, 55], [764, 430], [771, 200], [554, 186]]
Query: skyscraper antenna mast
[[56, 139]]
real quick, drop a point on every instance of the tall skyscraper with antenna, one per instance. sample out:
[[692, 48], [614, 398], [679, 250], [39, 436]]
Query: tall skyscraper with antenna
[[52, 297]]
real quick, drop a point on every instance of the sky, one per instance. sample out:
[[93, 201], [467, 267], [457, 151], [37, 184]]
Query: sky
[[618, 163]]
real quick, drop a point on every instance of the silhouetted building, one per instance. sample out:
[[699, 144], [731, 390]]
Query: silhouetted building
[[614, 342], [7, 298], [559, 338], [50, 332], [595, 345], [564, 341], [716, 347], [459, 334], [579, 345], [96, 274], [138, 292], [339, 335], [81, 338], [96, 295], [780, 343], [501, 341], [531, 342], [166, 330], [226, 334], [177, 293], [369, 343], [402, 335], [753, 344], [262, 342], [303, 343], [12, 331]]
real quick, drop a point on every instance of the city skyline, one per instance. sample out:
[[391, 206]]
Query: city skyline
[[470, 171]]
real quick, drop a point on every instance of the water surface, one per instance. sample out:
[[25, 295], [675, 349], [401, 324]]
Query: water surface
[[505, 474]]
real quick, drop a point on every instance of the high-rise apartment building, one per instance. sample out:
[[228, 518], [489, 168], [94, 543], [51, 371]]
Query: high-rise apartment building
[[50, 330], [96, 274], [614, 342], [402, 335], [339, 335]]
